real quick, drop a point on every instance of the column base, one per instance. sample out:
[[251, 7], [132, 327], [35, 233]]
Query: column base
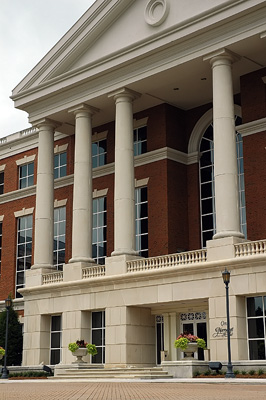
[[124, 253], [227, 234], [222, 248], [117, 264], [82, 260], [45, 266]]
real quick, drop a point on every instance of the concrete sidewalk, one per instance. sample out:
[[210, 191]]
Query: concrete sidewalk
[[189, 389]]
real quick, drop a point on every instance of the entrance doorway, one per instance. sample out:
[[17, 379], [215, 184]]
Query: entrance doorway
[[195, 323], [159, 338]]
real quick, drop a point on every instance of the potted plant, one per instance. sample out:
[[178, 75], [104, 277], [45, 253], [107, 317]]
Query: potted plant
[[80, 349], [2, 352], [189, 343]]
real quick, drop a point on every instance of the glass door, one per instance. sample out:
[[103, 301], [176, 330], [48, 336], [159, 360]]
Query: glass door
[[195, 323], [159, 338]]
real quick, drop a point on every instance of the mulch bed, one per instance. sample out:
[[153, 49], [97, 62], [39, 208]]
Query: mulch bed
[[255, 376], [14, 378]]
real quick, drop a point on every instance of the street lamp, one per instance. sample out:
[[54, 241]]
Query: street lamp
[[226, 278], [5, 371]]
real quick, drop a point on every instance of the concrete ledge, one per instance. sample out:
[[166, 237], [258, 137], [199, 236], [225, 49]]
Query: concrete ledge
[[185, 369]]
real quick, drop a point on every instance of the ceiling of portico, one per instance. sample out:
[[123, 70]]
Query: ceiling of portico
[[184, 86], [173, 73]]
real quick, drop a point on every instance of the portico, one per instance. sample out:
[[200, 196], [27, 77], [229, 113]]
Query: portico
[[170, 75]]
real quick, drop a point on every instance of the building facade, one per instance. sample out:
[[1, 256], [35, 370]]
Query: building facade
[[141, 179]]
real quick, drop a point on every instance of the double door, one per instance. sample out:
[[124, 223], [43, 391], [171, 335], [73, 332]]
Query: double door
[[198, 328]]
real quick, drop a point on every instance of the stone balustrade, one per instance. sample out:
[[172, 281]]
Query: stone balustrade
[[52, 277], [172, 260], [168, 261], [250, 248], [93, 272]]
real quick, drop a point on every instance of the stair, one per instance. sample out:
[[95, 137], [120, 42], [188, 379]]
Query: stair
[[111, 373]]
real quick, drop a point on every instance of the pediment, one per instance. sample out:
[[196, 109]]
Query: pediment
[[113, 32]]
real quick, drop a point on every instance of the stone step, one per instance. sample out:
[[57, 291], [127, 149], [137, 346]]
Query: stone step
[[112, 373]]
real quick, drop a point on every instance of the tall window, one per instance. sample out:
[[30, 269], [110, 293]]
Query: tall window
[[140, 140], [56, 333], [1, 226], [99, 230], [60, 165], [24, 250], [141, 215], [208, 217], [256, 320], [99, 151], [98, 335], [26, 175], [59, 237], [1, 182]]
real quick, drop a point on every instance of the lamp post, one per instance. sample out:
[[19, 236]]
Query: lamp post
[[5, 371], [226, 278]]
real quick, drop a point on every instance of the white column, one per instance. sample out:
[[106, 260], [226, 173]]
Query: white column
[[44, 214], [82, 192], [225, 157], [124, 197]]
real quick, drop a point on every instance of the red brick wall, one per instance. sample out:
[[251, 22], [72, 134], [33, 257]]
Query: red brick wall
[[255, 185], [9, 238], [253, 96]]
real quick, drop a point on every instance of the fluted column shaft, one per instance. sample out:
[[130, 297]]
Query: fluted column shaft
[[82, 192], [225, 157], [44, 214]]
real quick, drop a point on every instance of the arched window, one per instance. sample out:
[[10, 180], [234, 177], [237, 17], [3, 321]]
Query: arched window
[[207, 197]]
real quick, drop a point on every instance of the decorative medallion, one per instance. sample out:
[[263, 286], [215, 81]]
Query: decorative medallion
[[156, 12]]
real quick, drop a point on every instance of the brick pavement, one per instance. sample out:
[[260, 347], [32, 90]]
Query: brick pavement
[[52, 390]]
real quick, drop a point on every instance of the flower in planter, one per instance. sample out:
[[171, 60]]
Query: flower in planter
[[2, 351], [81, 344], [184, 338]]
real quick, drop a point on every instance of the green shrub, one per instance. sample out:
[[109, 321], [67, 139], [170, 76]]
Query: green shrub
[[207, 373], [260, 371], [15, 339], [196, 373], [243, 372], [236, 372], [251, 372]]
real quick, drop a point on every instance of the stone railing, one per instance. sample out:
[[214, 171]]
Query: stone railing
[[93, 272], [52, 277], [250, 248], [172, 260]]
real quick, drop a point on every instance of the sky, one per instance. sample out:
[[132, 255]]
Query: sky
[[28, 30]]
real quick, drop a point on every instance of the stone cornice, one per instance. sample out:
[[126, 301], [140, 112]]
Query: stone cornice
[[252, 127], [143, 58], [22, 141]]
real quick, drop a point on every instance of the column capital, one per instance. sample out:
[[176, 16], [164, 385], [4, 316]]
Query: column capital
[[124, 92], [222, 54], [45, 122], [83, 108]]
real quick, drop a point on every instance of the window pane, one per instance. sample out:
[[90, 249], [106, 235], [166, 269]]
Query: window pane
[[56, 323], [97, 359], [256, 350], [55, 357], [254, 306], [30, 169], [55, 339], [97, 319], [255, 328]]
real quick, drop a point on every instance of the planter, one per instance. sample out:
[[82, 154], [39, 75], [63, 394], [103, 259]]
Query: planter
[[79, 353], [192, 347]]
